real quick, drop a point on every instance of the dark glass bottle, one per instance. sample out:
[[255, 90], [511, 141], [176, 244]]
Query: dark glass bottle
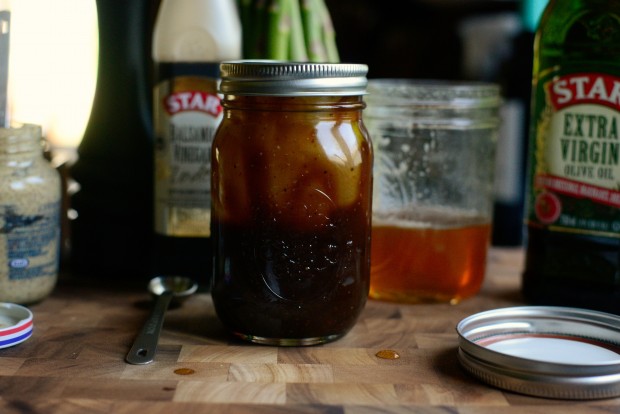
[[111, 237], [515, 79], [573, 211]]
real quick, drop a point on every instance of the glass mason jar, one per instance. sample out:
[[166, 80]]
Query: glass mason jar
[[291, 201], [434, 147], [30, 196]]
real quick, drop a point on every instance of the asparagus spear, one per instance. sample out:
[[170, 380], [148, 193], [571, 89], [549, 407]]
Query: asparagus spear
[[312, 30], [298, 46], [298, 30], [329, 34], [279, 31]]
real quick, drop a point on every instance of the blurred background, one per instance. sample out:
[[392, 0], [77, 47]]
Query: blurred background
[[443, 39], [421, 38], [83, 70], [481, 40]]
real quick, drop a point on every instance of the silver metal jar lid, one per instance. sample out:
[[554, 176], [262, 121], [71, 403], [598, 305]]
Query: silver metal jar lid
[[275, 78], [551, 352]]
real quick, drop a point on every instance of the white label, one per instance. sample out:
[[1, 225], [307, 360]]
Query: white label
[[32, 241], [187, 117]]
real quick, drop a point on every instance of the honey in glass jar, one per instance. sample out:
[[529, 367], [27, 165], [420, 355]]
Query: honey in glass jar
[[291, 201]]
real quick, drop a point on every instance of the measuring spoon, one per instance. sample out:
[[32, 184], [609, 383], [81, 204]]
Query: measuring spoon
[[165, 289]]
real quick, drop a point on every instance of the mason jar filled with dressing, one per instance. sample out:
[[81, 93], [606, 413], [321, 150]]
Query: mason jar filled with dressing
[[291, 201]]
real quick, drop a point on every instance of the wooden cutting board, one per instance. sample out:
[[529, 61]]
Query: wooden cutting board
[[74, 362]]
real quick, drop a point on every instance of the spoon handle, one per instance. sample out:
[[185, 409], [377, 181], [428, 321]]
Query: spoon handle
[[145, 345]]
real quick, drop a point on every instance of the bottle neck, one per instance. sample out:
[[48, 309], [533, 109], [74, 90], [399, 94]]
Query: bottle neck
[[20, 142], [531, 10]]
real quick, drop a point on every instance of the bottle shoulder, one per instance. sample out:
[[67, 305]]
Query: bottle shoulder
[[577, 26], [197, 31]]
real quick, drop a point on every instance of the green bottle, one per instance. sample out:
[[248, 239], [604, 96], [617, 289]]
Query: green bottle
[[573, 208]]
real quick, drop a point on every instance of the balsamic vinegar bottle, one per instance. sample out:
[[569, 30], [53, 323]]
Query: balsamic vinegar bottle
[[191, 38]]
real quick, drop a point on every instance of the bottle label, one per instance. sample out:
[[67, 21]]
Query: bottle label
[[187, 113], [32, 247], [576, 159]]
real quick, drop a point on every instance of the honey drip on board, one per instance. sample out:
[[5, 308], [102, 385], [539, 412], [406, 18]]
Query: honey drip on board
[[387, 354], [184, 371]]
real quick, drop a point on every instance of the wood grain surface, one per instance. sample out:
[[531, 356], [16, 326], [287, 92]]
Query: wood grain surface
[[74, 362]]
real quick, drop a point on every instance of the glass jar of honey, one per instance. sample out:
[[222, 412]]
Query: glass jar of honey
[[291, 201]]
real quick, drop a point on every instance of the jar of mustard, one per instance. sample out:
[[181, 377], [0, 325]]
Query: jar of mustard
[[291, 201], [30, 196]]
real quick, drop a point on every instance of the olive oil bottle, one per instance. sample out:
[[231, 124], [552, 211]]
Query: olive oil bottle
[[573, 208]]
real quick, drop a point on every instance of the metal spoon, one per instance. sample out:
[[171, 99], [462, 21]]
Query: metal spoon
[[164, 288]]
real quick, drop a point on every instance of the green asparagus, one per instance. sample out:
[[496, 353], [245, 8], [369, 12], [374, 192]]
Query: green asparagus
[[291, 30]]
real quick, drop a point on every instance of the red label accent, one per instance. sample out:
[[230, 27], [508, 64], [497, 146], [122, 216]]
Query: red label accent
[[193, 101], [584, 88], [579, 190], [17, 329]]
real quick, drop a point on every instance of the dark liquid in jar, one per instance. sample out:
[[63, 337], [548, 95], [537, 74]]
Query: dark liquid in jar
[[291, 223]]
